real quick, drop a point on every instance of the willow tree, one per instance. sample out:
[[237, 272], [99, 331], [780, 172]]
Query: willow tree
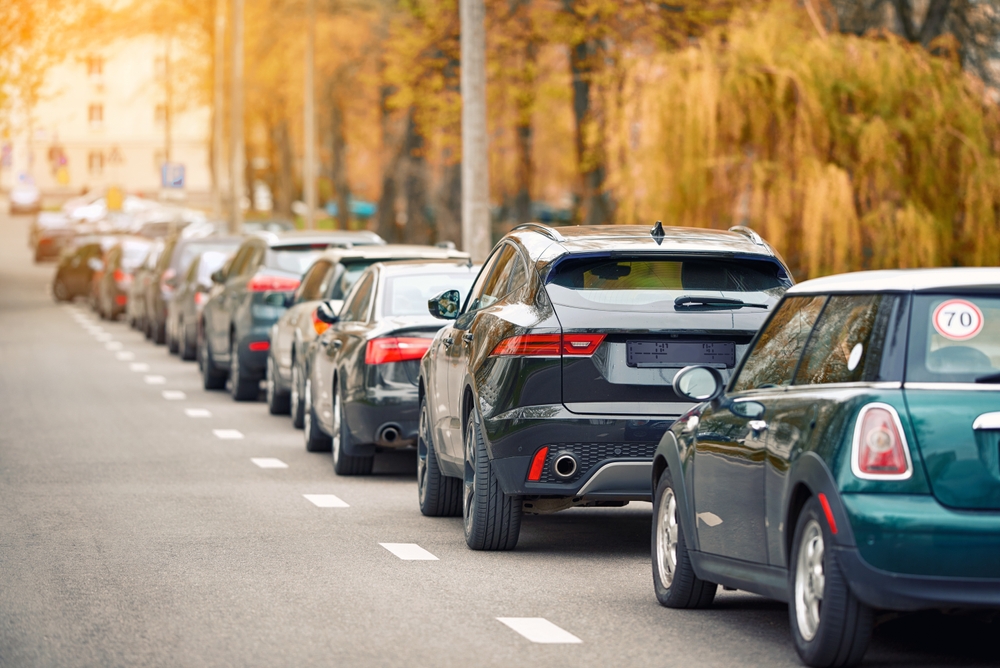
[[846, 152]]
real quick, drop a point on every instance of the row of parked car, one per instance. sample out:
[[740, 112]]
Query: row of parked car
[[834, 444]]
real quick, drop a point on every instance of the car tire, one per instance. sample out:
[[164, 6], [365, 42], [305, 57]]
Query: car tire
[[187, 351], [437, 494], [159, 333], [830, 626], [278, 401], [241, 387], [147, 328], [297, 397], [61, 292], [316, 439], [211, 378], [492, 520], [173, 344], [674, 579], [344, 464]]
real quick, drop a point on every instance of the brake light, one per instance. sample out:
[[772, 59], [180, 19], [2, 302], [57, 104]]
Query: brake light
[[549, 345], [259, 346], [272, 284], [121, 300], [200, 298], [537, 464], [395, 349], [318, 324], [879, 450], [121, 276]]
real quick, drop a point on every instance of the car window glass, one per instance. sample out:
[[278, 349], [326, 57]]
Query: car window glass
[[356, 308], [486, 292], [253, 261], [846, 344], [954, 338], [408, 294], [236, 266], [310, 288], [776, 353], [192, 271], [517, 274]]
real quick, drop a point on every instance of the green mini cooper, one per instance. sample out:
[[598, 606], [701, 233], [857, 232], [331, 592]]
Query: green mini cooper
[[852, 463]]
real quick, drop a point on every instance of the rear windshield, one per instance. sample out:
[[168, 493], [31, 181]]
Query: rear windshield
[[954, 338], [408, 295], [211, 261], [649, 281], [188, 252], [348, 278], [293, 259]]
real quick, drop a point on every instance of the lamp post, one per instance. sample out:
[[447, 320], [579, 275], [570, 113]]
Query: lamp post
[[475, 173]]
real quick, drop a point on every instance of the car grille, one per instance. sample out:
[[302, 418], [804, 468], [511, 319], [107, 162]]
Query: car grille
[[588, 455]]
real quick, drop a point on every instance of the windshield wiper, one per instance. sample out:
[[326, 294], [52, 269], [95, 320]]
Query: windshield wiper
[[991, 378], [713, 302]]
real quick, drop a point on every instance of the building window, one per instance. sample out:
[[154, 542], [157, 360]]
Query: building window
[[161, 114], [95, 67], [95, 114], [95, 162]]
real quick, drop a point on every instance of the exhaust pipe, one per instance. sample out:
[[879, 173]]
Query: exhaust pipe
[[388, 434], [565, 465]]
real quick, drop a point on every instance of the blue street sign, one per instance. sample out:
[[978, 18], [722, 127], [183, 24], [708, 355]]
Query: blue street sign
[[172, 175]]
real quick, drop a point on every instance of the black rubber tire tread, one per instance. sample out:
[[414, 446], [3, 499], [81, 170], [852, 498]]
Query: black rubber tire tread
[[240, 387], [60, 292], [278, 401], [211, 378], [316, 439], [442, 495], [687, 591], [159, 334], [845, 626], [349, 464], [187, 351], [297, 408], [496, 523]]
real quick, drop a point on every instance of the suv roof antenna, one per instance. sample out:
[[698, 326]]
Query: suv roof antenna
[[543, 229], [657, 232]]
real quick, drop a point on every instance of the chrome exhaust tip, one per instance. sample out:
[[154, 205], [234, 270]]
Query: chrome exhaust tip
[[388, 435], [565, 465]]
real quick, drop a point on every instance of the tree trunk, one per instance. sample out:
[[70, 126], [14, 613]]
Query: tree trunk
[[524, 132], [591, 206], [283, 167], [418, 229], [338, 144], [386, 221]]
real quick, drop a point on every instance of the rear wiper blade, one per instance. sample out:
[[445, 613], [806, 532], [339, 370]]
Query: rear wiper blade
[[713, 302], [991, 378]]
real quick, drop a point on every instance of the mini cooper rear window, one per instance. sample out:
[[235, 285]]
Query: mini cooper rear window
[[954, 338]]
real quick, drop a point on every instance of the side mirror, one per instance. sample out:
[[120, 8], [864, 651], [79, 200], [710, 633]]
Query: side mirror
[[95, 264], [699, 383], [446, 305], [218, 276], [325, 313]]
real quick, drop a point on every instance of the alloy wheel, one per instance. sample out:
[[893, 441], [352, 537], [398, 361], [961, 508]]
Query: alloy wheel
[[234, 368], [422, 440], [470, 475], [337, 417], [296, 379], [270, 381], [307, 411], [666, 537], [810, 580]]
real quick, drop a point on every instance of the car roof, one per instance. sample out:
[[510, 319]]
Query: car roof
[[390, 251], [902, 280], [595, 238], [417, 266], [318, 237]]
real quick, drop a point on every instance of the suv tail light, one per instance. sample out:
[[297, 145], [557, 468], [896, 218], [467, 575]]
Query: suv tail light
[[549, 345], [395, 349], [879, 451], [272, 284], [200, 298], [319, 325]]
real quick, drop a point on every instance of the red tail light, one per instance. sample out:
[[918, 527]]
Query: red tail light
[[272, 284], [121, 277], [200, 298], [259, 346], [879, 451], [549, 345], [537, 464], [121, 300], [395, 349], [319, 325]]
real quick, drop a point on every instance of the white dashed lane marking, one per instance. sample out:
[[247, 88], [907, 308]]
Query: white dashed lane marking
[[409, 551], [139, 366], [174, 395], [125, 356], [198, 412], [540, 630], [155, 380], [114, 345], [326, 501], [269, 463], [103, 338], [228, 434]]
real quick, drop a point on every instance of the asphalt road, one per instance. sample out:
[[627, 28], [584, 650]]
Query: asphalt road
[[131, 534]]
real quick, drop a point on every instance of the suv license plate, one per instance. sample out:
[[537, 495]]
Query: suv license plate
[[681, 353]]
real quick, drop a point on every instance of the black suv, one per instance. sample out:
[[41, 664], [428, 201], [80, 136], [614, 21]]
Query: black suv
[[552, 387]]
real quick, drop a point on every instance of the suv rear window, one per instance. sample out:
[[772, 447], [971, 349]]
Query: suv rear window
[[643, 281], [954, 338], [293, 259]]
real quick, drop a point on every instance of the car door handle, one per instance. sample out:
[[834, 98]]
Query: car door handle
[[757, 426], [468, 337], [448, 341]]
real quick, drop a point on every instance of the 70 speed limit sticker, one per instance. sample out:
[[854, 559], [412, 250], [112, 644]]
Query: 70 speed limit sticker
[[958, 320]]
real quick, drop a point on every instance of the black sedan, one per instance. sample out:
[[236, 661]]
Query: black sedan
[[112, 282], [361, 393], [77, 264], [552, 386], [249, 296]]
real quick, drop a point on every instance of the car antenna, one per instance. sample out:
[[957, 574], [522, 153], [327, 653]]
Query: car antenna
[[657, 233]]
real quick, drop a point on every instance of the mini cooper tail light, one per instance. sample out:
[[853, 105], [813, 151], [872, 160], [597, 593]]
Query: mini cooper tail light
[[548, 345], [259, 346], [272, 284], [879, 451], [537, 464], [395, 349], [318, 324]]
